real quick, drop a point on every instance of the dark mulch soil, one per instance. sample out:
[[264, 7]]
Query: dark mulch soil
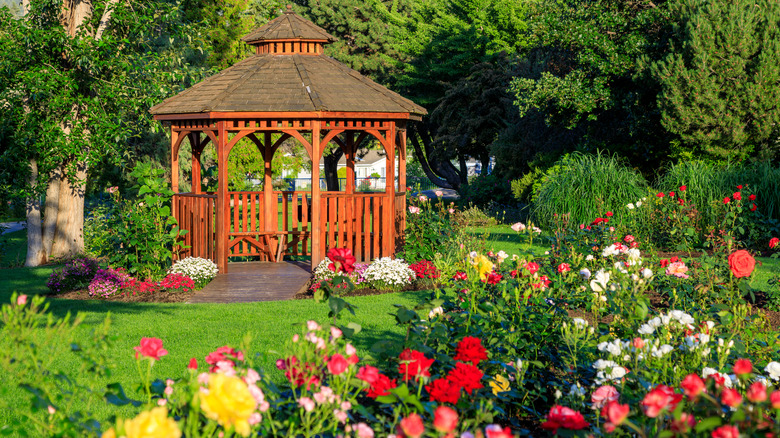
[[156, 297], [309, 294]]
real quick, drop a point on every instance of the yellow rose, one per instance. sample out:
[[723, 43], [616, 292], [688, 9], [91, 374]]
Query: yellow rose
[[152, 424], [483, 265], [499, 384], [110, 433], [229, 402]]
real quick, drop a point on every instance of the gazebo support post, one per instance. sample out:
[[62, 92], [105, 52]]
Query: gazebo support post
[[402, 160], [270, 207], [174, 162], [223, 210], [388, 238], [316, 231]]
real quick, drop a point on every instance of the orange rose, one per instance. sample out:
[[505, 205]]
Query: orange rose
[[741, 263]]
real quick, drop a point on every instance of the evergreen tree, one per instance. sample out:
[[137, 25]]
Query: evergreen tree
[[720, 84]]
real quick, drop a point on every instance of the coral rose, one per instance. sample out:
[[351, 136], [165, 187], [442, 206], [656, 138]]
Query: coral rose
[[741, 263], [660, 398], [337, 364], [229, 402], [773, 242], [412, 426], [343, 260], [414, 364], [603, 395], [154, 423], [567, 418], [693, 385], [496, 431], [151, 348], [726, 432]]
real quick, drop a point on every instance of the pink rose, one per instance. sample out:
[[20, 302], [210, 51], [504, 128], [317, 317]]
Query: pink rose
[[604, 395]]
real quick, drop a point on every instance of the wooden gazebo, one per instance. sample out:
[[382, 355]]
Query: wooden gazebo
[[288, 90]]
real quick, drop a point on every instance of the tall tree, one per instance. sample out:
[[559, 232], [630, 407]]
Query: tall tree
[[588, 80], [720, 83], [79, 77]]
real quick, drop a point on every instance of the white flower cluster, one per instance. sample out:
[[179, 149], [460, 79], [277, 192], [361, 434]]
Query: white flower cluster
[[200, 270], [631, 206], [675, 316], [391, 272], [608, 370], [322, 271]]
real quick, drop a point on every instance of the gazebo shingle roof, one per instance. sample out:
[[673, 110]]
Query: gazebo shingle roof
[[294, 82]]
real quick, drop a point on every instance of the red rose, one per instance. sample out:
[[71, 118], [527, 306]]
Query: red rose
[[343, 260], [466, 376], [674, 259], [756, 393], [743, 366], [660, 398], [599, 220], [739, 187], [567, 418], [381, 386], [737, 196], [684, 425], [726, 432], [681, 201], [726, 200], [413, 363], [664, 263], [693, 385], [412, 426], [460, 276], [513, 274], [752, 198], [470, 349], [193, 365], [671, 194], [774, 399], [151, 348], [564, 267], [368, 374], [741, 263], [337, 364], [730, 397], [532, 267], [660, 195], [609, 214], [444, 391], [753, 207], [493, 278], [496, 431], [773, 242], [445, 419], [683, 188]]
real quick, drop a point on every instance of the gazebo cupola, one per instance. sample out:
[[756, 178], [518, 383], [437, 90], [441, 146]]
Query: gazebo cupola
[[289, 90], [287, 35]]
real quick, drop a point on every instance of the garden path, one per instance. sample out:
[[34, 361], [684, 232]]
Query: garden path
[[256, 281], [10, 227]]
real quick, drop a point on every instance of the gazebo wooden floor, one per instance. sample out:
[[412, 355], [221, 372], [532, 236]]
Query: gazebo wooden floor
[[256, 281]]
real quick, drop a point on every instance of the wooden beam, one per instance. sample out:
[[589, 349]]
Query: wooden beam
[[197, 150], [350, 152], [388, 237], [176, 139], [276, 115]]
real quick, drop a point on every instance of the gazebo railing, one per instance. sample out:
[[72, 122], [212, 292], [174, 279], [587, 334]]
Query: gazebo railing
[[362, 222], [196, 213]]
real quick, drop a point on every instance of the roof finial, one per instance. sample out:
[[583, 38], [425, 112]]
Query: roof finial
[[289, 10]]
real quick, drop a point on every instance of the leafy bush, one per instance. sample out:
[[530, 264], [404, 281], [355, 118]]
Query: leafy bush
[[107, 282], [586, 186], [522, 188], [428, 225], [483, 189], [473, 216], [138, 234], [76, 274]]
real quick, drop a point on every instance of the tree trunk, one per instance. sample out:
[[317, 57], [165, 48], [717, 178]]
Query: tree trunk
[[36, 255], [332, 169], [51, 209], [69, 237], [440, 172]]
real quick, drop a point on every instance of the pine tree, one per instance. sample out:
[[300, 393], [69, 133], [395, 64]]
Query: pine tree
[[720, 84]]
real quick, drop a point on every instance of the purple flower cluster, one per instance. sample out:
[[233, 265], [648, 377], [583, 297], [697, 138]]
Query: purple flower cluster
[[107, 282], [76, 274], [357, 274]]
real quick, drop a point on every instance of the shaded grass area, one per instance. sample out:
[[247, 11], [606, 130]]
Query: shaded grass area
[[14, 249]]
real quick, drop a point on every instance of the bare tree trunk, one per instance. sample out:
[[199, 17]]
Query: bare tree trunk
[[69, 237], [36, 255], [25, 7], [51, 209], [331, 161]]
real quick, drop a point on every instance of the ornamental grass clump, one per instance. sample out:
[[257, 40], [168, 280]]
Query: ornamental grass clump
[[388, 273], [200, 270]]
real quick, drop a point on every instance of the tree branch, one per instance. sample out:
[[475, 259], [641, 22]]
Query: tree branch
[[105, 19]]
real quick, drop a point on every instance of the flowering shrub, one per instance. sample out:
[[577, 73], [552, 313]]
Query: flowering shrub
[[177, 283], [389, 273], [200, 270], [428, 225], [107, 282], [76, 274]]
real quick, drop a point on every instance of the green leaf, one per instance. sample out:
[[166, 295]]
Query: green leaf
[[708, 424]]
